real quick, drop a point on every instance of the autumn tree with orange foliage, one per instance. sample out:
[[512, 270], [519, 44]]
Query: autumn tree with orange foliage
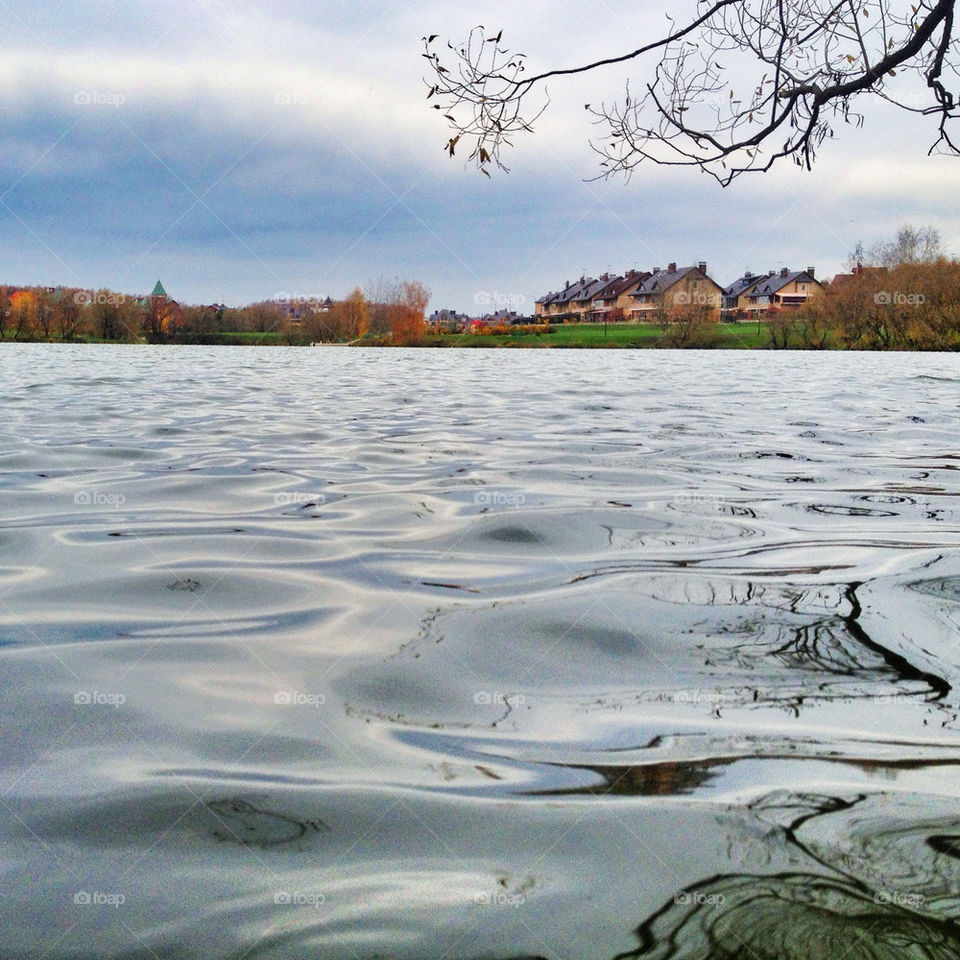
[[406, 314], [155, 321], [23, 314], [351, 316], [912, 306], [344, 319]]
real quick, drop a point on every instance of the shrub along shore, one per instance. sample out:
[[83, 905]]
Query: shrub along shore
[[720, 336]]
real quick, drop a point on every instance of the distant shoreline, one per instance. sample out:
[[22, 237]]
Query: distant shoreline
[[711, 336]]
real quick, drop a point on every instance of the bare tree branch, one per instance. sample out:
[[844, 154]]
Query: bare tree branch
[[799, 66]]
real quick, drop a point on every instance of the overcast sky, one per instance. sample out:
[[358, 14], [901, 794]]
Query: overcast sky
[[241, 150]]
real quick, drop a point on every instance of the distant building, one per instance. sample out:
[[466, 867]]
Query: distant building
[[752, 295], [637, 295], [786, 290], [296, 308], [558, 306], [741, 287], [613, 301], [858, 271], [504, 318], [163, 315], [665, 293], [448, 321]]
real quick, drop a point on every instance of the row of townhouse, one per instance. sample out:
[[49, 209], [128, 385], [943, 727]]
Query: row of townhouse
[[657, 295], [751, 295]]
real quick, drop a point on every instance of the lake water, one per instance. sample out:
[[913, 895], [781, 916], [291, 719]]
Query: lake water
[[479, 654]]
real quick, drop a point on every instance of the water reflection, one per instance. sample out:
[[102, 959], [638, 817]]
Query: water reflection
[[901, 910], [689, 644], [789, 917], [240, 821]]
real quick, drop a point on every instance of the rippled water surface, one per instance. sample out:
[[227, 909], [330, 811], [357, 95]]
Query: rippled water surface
[[352, 654]]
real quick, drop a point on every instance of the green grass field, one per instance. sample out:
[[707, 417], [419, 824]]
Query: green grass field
[[725, 335], [728, 336]]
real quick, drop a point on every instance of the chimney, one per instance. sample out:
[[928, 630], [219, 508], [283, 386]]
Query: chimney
[[656, 269], [813, 275], [671, 268], [702, 267], [747, 275], [770, 273], [784, 271]]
